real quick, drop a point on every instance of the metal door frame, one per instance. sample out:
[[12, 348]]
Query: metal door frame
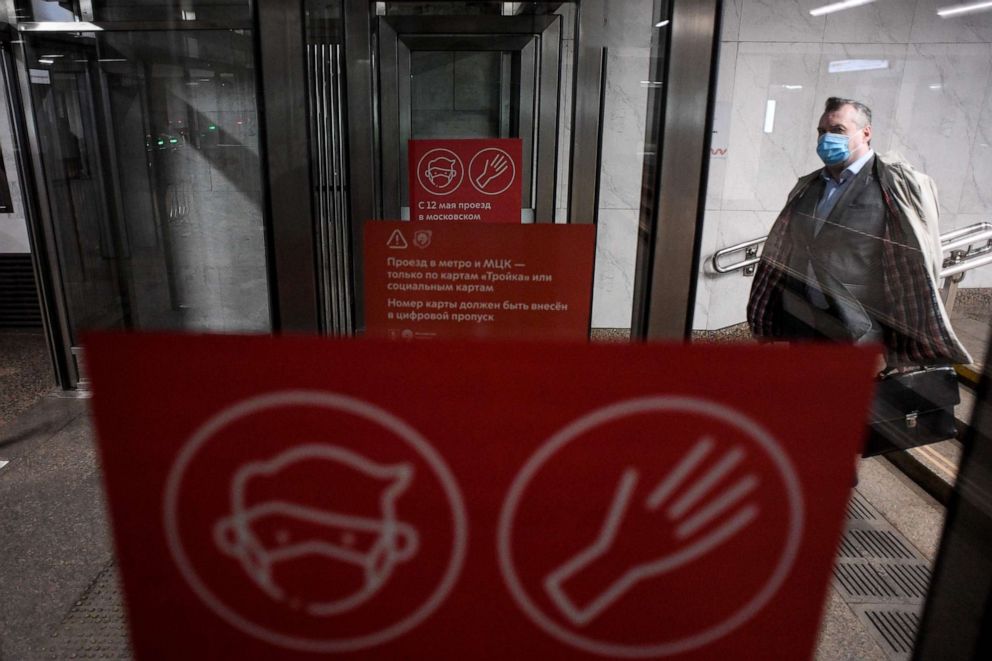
[[284, 157], [397, 36]]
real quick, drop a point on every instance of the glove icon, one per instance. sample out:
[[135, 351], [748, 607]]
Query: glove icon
[[676, 523]]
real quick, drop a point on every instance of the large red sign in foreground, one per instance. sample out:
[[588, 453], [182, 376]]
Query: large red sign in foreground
[[276, 498], [486, 281], [468, 180]]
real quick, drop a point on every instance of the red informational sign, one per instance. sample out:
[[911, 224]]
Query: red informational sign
[[459, 280], [468, 180], [281, 497]]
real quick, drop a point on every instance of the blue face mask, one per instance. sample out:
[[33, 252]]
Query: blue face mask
[[833, 148]]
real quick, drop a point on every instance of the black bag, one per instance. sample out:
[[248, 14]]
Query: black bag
[[912, 409]]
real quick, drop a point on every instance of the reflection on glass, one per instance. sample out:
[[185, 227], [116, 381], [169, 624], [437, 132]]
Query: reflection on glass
[[150, 148], [135, 10]]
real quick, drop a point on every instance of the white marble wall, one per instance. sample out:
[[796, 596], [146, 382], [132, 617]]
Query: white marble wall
[[932, 102], [628, 38]]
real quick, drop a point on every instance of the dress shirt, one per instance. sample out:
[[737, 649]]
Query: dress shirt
[[832, 191]]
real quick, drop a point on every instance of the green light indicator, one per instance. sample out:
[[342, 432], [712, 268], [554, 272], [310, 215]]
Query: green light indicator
[[173, 141], [161, 142], [212, 127]]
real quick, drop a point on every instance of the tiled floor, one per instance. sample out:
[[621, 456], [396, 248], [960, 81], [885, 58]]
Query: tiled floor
[[25, 371]]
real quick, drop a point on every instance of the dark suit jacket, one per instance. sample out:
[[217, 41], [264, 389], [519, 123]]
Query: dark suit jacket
[[836, 288]]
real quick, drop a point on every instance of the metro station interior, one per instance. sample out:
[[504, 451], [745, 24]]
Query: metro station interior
[[211, 166]]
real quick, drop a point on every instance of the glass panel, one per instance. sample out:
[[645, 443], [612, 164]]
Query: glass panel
[[495, 90], [629, 153], [150, 148], [137, 10], [455, 94], [848, 256]]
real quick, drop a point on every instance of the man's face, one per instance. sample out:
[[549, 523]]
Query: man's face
[[844, 121]]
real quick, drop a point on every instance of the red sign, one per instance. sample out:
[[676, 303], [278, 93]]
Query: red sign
[[459, 280], [279, 497], [468, 180]]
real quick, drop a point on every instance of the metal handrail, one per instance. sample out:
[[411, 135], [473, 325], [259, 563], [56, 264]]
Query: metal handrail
[[947, 237], [751, 260], [957, 242]]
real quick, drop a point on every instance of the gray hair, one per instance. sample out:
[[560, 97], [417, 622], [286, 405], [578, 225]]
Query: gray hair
[[863, 112]]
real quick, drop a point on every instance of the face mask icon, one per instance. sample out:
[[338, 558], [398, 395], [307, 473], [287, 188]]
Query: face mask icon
[[441, 171], [316, 527]]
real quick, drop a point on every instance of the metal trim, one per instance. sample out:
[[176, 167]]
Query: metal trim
[[286, 164], [461, 42], [361, 136], [548, 107], [391, 114], [527, 102], [466, 25], [671, 219], [958, 610], [38, 214], [587, 111]]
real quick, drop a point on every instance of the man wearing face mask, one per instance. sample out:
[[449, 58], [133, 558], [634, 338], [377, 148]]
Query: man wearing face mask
[[855, 254]]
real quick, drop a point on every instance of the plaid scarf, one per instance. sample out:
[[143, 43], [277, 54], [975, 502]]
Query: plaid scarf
[[914, 322]]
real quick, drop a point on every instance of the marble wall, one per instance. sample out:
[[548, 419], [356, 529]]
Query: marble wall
[[927, 79]]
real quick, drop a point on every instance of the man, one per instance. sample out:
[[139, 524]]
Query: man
[[855, 254]]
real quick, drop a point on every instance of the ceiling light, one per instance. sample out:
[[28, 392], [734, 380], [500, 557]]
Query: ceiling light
[[46, 61], [661, 24], [793, 87], [838, 6], [842, 66], [770, 116], [955, 10]]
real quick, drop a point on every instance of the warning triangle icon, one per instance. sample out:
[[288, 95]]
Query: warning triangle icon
[[396, 240]]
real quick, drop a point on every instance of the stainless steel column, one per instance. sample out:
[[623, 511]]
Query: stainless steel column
[[587, 111], [674, 185], [360, 134], [281, 43]]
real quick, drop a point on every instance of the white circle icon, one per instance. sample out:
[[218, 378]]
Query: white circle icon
[[241, 511], [440, 171], [683, 488], [492, 171]]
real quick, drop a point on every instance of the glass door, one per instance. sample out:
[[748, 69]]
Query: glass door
[[449, 76], [147, 152]]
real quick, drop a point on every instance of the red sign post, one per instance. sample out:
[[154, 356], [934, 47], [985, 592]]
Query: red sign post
[[467, 180], [460, 280], [277, 498]]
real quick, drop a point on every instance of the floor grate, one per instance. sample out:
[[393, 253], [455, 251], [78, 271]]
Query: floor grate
[[858, 509], [895, 626], [912, 579], [862, 581], [882, 577], [848, 549], [95, 627], [882, 544]]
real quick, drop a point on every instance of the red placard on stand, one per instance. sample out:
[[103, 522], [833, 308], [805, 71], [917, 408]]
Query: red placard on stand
[[466, 180], [483, 281], [286, 497]]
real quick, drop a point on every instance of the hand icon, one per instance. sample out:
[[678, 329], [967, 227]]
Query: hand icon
[[640, 526], [493, 167]]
